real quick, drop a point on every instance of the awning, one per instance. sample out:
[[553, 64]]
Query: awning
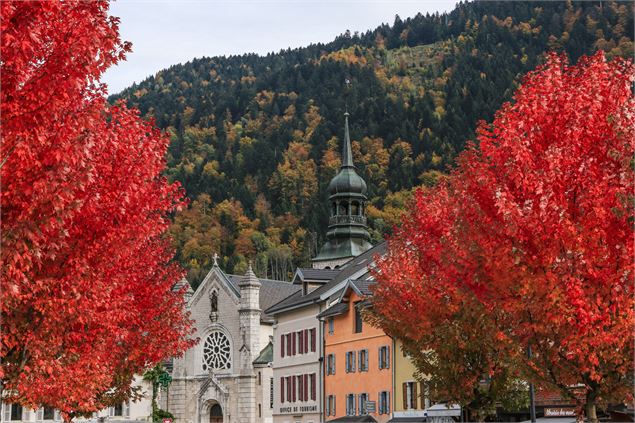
[[407, 419], [365, 418]]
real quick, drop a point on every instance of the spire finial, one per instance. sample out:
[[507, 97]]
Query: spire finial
[[347, 154], [215, 257]]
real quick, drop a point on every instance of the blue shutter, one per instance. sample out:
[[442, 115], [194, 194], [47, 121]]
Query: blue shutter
[[347, 362], [353, 361], [366, 361], [388, 357]]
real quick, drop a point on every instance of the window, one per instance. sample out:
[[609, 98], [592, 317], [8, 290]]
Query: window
[[300, 380], [384, 402], [331, 326], [350, 405], [288, 388], [350, 361], [362, 404], [289, 346], [330, 364], [216, 352], [259, 378], [330, 405], [313, 388], [312, 331], [270, 392], [281, 345], [363, 360], [259, 411], [16, 412], [282, 382], [301, 342], [46, 413], [354, 208], [384, 357], [358, 318], [409, 395], [118, 410]]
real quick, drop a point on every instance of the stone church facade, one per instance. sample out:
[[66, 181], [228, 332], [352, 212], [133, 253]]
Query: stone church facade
[[227, 376]]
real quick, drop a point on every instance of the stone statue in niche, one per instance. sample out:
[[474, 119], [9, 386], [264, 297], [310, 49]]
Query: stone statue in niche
[[213, 300]]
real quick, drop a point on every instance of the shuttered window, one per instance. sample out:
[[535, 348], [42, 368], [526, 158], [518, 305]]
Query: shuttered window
[[281, 345], [313, 387], [281, 389]]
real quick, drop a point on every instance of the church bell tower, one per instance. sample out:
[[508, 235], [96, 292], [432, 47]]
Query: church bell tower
[[347, 234]]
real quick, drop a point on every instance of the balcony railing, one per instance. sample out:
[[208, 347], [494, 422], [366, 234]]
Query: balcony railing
[[347, 220]]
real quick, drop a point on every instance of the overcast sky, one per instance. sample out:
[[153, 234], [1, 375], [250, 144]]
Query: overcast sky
[[165, 33]]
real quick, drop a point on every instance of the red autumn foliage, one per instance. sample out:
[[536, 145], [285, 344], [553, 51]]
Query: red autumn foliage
[[87, 272], [536, 224]]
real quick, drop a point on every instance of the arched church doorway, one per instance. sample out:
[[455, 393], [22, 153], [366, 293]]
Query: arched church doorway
[[215, 414]]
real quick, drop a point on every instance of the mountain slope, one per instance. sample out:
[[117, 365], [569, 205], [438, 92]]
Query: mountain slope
[[255, 140]]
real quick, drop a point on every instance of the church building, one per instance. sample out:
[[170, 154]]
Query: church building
[[227, 376]]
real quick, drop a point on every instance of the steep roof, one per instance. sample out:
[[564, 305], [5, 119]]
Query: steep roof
[[357, 267], [271, 292], [266, 355], [314, 275], [334, 310]]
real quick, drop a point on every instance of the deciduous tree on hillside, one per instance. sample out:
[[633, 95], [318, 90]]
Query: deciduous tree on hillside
[[87, 274], [536, 226]]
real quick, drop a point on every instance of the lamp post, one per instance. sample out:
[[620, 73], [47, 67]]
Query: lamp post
[[532, 402]]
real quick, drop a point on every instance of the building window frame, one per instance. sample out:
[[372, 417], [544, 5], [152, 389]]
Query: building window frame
[[363, 360], [384, 357], [358, 325]]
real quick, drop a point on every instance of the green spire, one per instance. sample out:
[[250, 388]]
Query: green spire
[[347, 154]]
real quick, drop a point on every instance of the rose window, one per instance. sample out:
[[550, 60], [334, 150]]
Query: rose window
[[216, 352]]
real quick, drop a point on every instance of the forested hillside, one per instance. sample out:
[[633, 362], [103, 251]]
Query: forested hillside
[[255, 140]]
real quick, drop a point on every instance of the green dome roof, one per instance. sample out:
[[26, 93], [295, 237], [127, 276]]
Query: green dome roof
[[347, 181]]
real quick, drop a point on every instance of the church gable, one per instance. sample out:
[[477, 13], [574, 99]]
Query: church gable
[[215, 280]]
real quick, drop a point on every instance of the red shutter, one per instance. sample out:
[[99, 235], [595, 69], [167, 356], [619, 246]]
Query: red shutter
[[300, 388], [405, 395], [306, 340], [288, 344], [313, 386], [306, 387], [288, 389], [293, 397], [313, 340], [281, 345], [293, 342], [301, 342], [414, 395], [281, 389]]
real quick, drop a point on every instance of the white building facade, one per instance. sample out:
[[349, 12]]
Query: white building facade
[[226, 377]]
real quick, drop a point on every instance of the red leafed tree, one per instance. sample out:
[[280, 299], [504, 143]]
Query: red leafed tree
[[536, 225], [87, 273]]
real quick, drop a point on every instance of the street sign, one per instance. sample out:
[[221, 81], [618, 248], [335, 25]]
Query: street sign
[[371, 406]]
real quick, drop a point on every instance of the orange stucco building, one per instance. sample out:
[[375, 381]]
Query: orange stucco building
[[357, 359]]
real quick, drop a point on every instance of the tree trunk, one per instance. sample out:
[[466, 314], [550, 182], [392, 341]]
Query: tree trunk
[[591, 412]]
